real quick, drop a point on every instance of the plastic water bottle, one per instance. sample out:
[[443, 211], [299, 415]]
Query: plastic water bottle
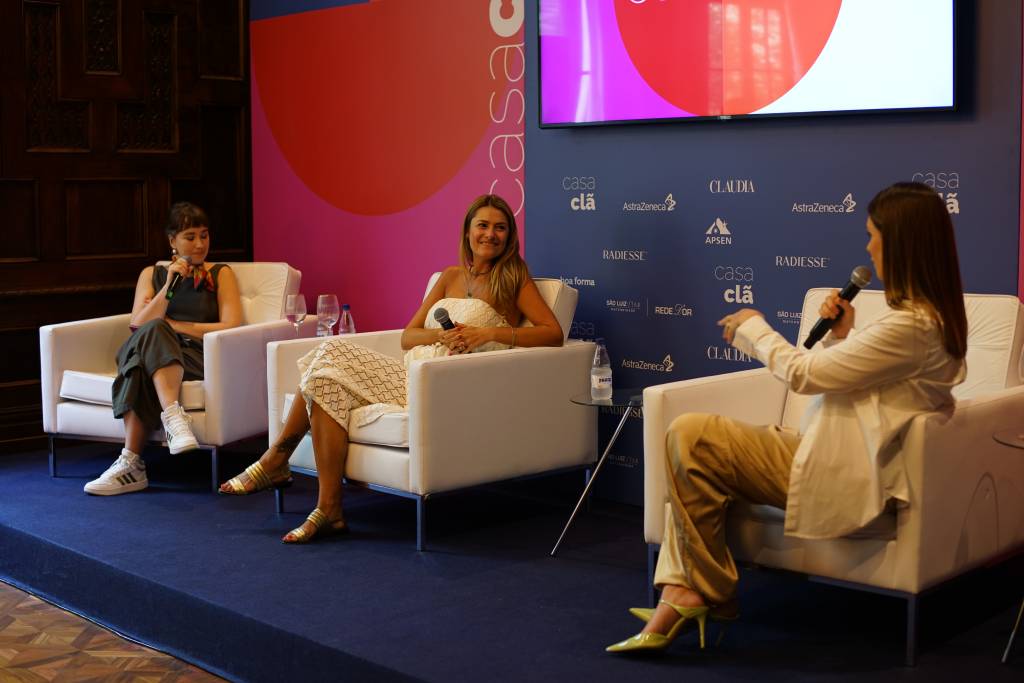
[[348, 323], [601, 374]]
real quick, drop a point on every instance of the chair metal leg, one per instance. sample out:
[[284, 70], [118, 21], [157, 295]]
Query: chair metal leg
[[53, 456], [652, 563], [214, 470], [911, 659], [421, 523], [1013, 634], [279, 500]]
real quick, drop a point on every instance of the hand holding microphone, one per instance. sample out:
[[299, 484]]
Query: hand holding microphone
[[177, 273], [834, 308], [452, 341]]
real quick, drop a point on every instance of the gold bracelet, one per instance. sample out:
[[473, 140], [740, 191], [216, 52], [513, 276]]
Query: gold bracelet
[[513, 344]]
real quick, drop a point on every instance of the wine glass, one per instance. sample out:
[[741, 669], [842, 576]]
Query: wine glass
[[295, 310], [327, 313]]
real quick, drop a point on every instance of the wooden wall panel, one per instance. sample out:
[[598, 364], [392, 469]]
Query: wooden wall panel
[[102, 36], [110, 110], [54, 124], [117, 207], [229, 215], [222, 30], [21, 227]]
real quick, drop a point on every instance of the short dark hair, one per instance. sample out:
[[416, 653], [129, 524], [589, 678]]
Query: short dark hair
[[919, 261], [185, 215]]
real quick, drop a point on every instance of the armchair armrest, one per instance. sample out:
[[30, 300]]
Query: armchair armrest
[[282, 373], [84, 345], [966, 489], [235, 376], [489, 416], [753, 396]]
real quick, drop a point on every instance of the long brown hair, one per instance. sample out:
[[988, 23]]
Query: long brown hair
[[919, 261], [509, 271]]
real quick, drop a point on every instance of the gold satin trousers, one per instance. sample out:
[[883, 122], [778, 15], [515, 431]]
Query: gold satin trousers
[[710, 461]]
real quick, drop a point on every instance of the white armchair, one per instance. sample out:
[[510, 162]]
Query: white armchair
[[528, 425], [78, 367], [967, 491]]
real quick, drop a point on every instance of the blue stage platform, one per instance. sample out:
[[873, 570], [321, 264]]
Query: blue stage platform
[[205, 578]]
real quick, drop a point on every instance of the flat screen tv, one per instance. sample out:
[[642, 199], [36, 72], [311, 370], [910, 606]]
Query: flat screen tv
[[620, 61]]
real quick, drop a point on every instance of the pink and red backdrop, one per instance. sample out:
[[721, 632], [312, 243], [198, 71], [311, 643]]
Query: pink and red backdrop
[[374, 126]]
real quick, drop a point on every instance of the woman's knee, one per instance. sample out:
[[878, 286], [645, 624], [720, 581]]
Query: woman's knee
[[153, 327], [683, 434], [336, 346]]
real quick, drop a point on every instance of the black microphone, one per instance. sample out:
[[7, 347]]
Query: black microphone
[[859, 278], [441, 316], [176, 279]]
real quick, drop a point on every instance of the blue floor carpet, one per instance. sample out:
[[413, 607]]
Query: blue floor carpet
[[205, 578]]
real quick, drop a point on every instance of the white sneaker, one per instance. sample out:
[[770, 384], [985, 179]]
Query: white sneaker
[[178, 429], [127, 474]]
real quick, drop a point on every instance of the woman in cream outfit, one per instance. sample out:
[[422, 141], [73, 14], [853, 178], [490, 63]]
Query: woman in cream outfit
[[487, 296], [871, 384]]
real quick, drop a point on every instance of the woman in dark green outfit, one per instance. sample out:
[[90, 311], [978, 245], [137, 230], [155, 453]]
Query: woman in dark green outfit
[[166, 346]]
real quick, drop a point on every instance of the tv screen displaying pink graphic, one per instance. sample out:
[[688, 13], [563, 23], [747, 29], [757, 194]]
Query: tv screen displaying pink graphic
[[610, 61]]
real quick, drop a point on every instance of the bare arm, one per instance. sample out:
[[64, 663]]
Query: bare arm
[[149, 304], [229, 305], [545, 331]]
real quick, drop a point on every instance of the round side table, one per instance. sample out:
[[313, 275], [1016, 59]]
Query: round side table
[[621, 398]]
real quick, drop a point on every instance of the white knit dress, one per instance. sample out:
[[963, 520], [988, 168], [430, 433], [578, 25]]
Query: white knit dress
[[340, 375]]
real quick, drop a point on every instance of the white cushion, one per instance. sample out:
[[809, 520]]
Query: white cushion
[[262, 287], [390, 429], [367, 463], [94, 387], [77, 418], [742, 512]]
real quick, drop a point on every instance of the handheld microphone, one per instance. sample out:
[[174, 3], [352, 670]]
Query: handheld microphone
[[176, 279], [441, 316], [859, 278]]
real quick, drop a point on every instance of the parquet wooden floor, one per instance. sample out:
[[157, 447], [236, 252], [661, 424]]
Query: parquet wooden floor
[[43, 643]]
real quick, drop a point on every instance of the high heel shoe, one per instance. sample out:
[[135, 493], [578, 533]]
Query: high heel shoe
[[722, 614], [259, 477], [660, 641], [322, 528]]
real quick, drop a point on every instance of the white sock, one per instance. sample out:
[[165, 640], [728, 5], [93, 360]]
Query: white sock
[[131, 455], [174, 407]]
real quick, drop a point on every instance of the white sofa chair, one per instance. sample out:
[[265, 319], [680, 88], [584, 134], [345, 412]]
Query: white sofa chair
[[452, 436], [78, 367], [967, 491]]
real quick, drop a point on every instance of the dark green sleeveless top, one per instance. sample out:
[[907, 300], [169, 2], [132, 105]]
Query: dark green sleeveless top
[[190, 304]]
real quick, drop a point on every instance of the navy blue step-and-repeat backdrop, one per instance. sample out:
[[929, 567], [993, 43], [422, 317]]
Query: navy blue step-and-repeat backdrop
[[666, 227]]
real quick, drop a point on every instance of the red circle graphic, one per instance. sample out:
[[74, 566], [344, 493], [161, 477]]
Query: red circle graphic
[[376, 106], [724, 56]]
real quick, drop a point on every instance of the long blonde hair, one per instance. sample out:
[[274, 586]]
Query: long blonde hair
[[509, 271], [919, 261]]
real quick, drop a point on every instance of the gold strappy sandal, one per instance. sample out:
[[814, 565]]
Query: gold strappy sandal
[[322, 528], [258, 476]]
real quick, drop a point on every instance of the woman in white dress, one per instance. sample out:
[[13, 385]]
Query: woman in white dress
[[487, 296]]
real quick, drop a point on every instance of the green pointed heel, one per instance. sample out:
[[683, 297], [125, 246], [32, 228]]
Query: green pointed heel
[[653, 642], [722, 614]]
